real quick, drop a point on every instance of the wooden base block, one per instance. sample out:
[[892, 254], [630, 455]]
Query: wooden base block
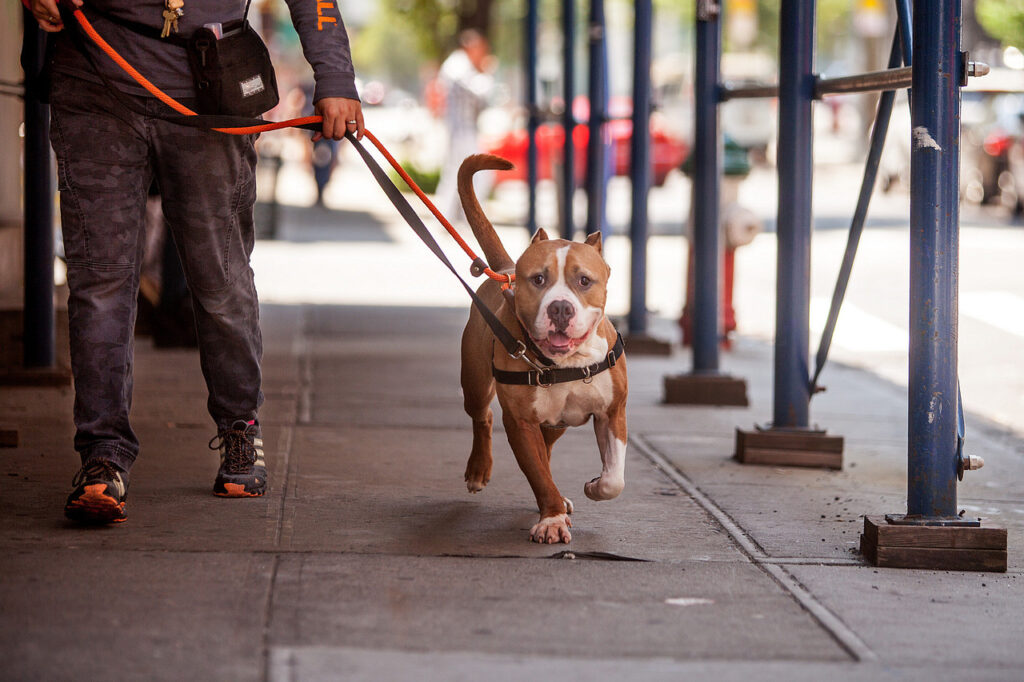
[[643, 344], [942, 548], [790, 448], [8, 437], [705, 389]]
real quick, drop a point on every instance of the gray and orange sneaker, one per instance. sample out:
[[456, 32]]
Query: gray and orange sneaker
[[242, 472], [99, 495]]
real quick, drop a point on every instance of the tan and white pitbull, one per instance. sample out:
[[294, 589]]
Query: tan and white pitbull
[[559, 299]]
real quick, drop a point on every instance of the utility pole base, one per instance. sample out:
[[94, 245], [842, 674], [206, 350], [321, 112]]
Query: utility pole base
[[933, 547], [644, 344], [796, 448], [706, 389]]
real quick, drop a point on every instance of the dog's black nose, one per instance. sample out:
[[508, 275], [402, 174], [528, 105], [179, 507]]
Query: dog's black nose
[[561, 313]]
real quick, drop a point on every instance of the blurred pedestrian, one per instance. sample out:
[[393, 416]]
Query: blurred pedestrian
[[110, 146], [466, 81]]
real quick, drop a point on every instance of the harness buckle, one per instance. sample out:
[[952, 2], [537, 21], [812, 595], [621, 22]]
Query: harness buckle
[[520, 354], [588, 376], [540, 382]]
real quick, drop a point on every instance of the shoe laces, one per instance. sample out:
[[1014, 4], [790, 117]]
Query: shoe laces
[[97, 469], [239, 451]]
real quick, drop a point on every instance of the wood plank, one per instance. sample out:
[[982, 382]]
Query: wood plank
[[695, 389], [644, 344], [788, 440], [881, 533], [800, 458], [941, 559]]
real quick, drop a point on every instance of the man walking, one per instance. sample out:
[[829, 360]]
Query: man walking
[[108, 154]]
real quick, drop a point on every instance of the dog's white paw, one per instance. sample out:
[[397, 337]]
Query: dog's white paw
[[568, 505], [603, 488], [475, 485], [552, 529]]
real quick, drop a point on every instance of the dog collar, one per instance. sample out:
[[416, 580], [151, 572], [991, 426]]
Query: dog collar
[[560, 375]]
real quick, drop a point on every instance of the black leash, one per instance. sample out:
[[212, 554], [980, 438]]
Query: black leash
[[516, 348]]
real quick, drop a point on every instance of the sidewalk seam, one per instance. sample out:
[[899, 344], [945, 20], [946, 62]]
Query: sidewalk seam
[[840, 632], [268, 614]]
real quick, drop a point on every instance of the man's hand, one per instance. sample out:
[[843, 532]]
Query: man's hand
[[341, 115], [47, 14]]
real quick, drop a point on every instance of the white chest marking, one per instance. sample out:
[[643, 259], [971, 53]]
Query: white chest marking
[[572, 403]]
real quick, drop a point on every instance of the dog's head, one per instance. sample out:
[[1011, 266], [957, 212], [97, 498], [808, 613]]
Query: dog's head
[[560, 293]]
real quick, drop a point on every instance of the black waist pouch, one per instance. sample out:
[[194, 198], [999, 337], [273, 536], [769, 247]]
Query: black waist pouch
[[233, 74]]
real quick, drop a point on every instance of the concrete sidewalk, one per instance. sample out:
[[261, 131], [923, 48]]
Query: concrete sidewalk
[[368, 560]]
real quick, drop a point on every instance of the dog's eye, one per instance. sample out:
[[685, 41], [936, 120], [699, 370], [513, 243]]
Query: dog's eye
[[537, 280], [585, 281]]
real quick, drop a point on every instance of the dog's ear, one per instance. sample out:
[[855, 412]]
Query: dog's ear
[[539, 236], [594, 239]]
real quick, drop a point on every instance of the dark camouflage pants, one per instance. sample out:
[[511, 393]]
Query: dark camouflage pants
[[107, 157]]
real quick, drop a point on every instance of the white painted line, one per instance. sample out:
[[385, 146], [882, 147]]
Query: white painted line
[[688, 601], [857, 330], [842, 633], [1000, 309]]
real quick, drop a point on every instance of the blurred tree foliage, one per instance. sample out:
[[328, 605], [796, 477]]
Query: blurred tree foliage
[[1003, 20], [833, 17]]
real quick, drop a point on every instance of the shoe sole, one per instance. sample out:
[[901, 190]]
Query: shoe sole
[[237, 490], [95, 506]]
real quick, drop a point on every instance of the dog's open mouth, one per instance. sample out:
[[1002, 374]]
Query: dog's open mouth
[[559, 343]]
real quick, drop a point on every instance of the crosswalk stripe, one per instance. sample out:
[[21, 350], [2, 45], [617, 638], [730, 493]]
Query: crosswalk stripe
[[1000, 309], [858, 330]]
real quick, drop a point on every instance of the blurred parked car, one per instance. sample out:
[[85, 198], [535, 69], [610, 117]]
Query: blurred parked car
[[991, 131], [990, 127], [667, 150]]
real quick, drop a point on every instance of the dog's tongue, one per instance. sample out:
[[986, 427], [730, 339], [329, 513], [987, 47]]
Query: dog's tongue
[[558, 340]]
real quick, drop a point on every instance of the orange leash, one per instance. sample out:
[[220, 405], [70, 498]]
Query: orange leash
[[87, 27]]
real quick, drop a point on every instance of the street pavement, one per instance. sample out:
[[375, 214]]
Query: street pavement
[[368, 559]]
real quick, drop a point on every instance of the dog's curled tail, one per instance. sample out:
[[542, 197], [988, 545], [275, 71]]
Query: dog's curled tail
[[494, 253]]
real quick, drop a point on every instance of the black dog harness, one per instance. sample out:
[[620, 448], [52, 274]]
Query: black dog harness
[[560, 375]]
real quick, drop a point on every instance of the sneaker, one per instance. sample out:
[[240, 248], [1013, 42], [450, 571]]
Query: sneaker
[[99, 494], [242, 472]]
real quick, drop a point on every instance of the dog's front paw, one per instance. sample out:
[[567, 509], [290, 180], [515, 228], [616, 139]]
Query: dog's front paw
[[603, 488], [552, 529], [477, 477]]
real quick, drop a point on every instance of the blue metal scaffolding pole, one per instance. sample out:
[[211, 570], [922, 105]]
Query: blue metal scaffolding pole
[[533, 117], [568, 119], [39, 338], [706, 183], [795, 168], [934, 243], [640, 166], [598, 92]]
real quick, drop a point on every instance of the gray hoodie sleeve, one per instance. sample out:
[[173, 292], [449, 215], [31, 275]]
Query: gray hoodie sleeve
[[325, 46]]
